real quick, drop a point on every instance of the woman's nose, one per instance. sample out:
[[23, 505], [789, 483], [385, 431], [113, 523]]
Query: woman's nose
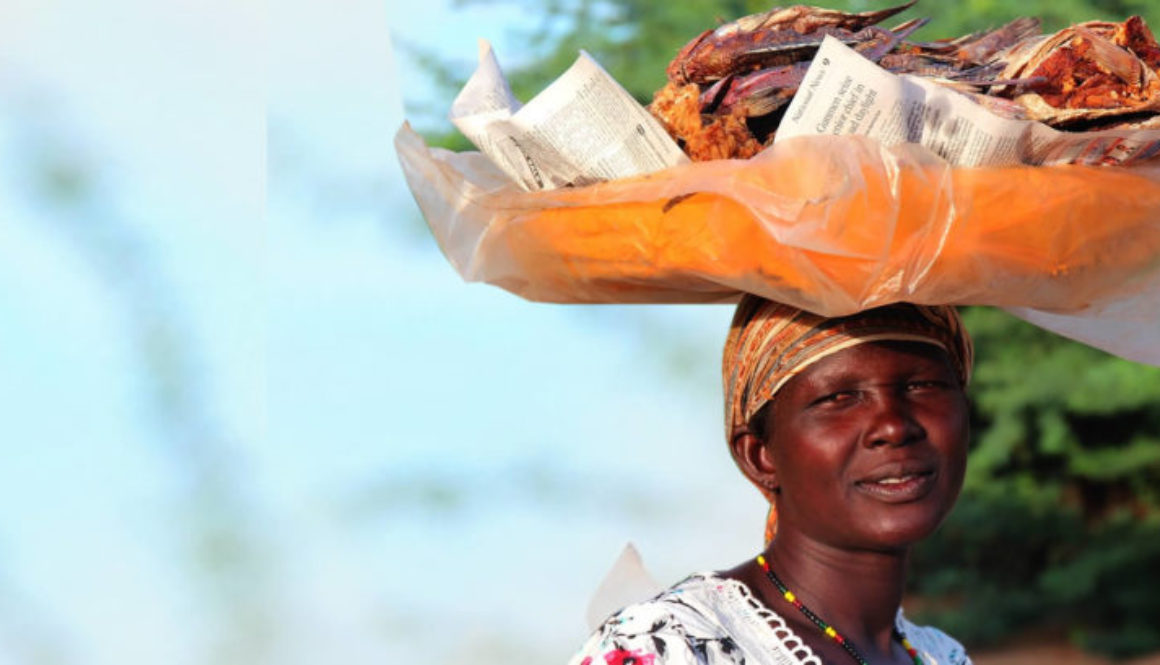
[[893, 422]]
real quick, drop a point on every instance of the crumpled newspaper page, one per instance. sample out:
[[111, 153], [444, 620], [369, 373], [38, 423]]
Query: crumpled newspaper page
[[581, 129]]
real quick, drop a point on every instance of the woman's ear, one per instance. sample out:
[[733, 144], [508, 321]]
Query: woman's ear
[[754, 458]]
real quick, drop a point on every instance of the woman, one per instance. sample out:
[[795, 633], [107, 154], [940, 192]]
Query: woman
[[855, 428]]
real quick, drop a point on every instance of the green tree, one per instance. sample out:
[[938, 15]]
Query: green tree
[[1059, 525]]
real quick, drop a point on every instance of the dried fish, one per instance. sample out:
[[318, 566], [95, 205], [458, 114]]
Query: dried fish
[[1086, 76], [729, 87], [768, 90], [983, 48], [762, 92], [779, 36], [719, 136], [1135, 36], [920, 64]]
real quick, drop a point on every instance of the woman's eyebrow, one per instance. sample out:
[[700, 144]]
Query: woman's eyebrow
[[851, 376], [835, 378]]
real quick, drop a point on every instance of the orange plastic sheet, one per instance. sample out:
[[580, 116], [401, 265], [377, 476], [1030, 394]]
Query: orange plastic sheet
[[830, 224]]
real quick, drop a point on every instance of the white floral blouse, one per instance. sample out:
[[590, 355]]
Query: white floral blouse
[[711, 620]]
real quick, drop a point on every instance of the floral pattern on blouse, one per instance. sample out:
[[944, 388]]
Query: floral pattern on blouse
[[710, 620]]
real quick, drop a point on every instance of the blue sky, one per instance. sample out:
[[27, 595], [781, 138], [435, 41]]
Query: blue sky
[[249, 412]]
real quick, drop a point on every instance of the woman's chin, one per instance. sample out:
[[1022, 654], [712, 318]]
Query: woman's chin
[[902, 531]]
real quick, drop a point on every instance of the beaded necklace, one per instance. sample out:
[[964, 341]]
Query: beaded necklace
[[827, 628]]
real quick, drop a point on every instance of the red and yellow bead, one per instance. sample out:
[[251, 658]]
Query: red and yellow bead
[[826, 628]]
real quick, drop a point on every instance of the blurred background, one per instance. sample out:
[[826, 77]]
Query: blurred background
[[248, 414]]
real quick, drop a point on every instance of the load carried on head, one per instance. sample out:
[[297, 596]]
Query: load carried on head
[[728, 88], [838, 165]]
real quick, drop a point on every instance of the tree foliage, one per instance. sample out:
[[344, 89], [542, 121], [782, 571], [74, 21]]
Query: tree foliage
[[1059, 525]]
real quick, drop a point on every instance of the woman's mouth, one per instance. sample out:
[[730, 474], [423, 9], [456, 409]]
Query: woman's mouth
[[899, 488]]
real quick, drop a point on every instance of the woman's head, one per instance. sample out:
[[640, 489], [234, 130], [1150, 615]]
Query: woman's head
[[862, 414]]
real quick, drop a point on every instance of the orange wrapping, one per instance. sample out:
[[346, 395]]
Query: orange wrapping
[[830, 224]]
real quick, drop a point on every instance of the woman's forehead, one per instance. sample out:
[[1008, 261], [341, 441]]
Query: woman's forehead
[[901, 357]]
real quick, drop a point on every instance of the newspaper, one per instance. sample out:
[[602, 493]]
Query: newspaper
[[583, 128], [844, 93]]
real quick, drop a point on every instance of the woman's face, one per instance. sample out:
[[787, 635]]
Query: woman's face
[[869, 445]]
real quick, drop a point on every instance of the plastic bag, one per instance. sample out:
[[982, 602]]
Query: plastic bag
[[830, 224]]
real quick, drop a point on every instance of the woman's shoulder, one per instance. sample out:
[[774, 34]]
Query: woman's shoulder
[[935, 646], [688, 623]]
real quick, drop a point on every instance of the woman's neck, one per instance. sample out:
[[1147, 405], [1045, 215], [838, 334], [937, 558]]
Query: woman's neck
[[857, 592]]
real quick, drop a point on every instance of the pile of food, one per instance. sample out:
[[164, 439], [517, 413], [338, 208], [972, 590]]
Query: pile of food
[[728, 88], [1006, 168]]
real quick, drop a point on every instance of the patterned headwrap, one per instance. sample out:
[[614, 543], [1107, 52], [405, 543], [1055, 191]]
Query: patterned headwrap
[[769, 343]]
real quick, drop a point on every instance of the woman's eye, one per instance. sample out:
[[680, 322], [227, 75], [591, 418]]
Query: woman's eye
[[925, 385], [838, 397]]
